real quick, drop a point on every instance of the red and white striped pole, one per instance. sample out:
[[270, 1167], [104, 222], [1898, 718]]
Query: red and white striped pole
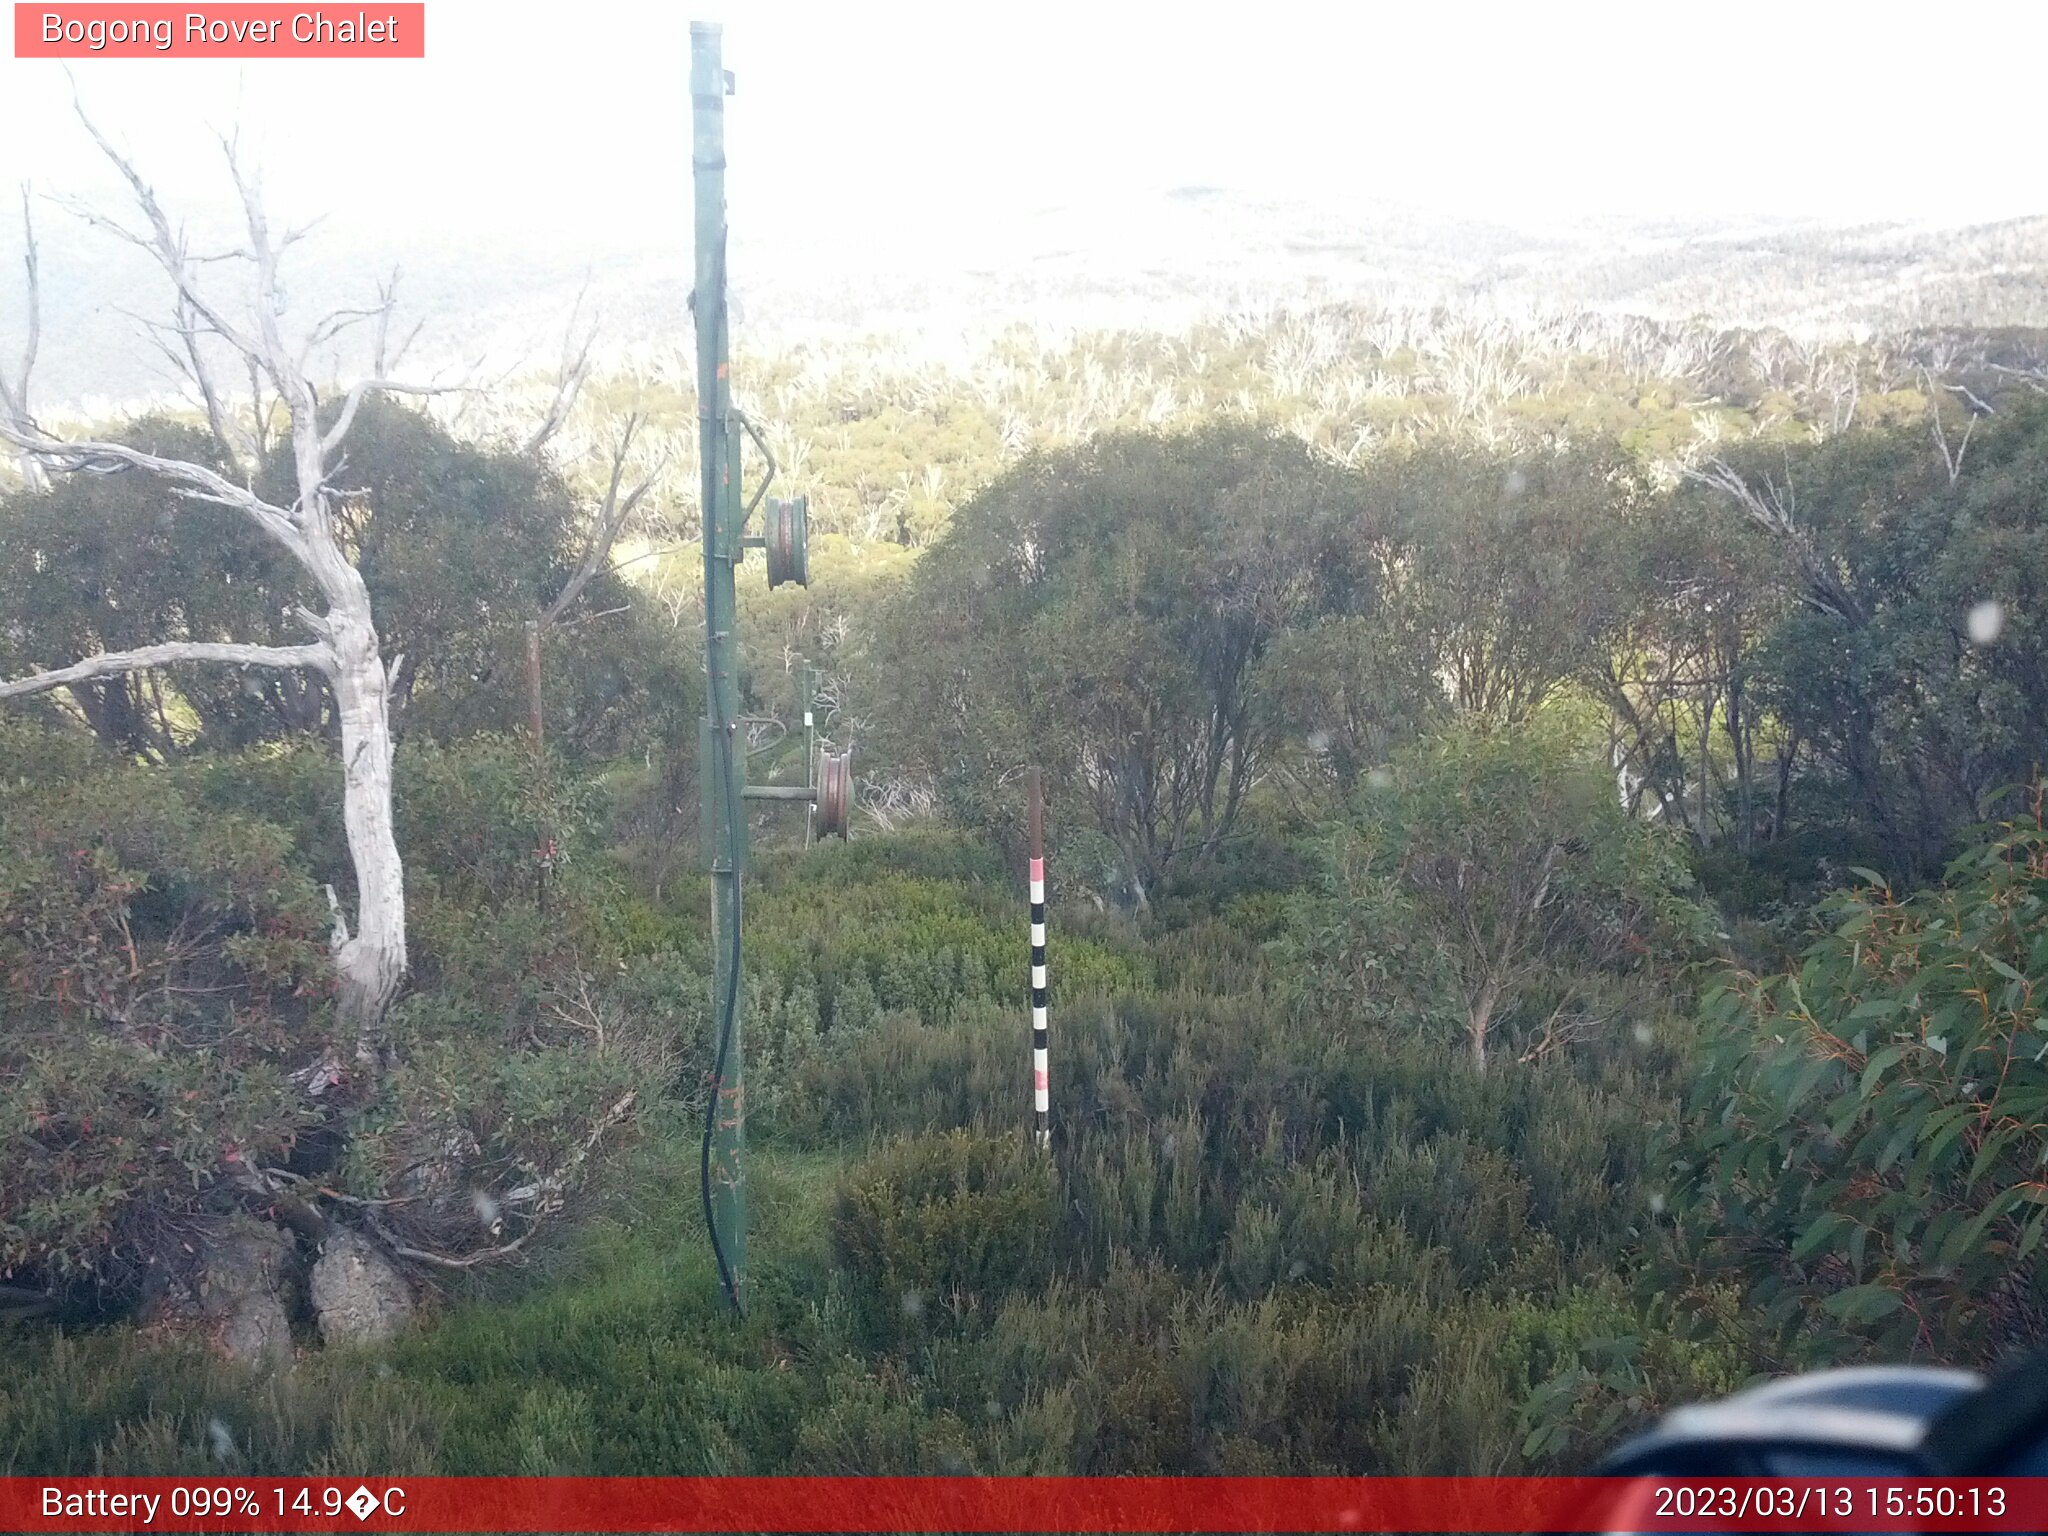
[[1041, 1086]]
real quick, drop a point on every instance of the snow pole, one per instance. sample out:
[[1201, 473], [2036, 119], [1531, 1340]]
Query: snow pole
[[1041, 1086]]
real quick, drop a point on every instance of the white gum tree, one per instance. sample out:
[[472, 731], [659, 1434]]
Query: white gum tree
[[342, 643]]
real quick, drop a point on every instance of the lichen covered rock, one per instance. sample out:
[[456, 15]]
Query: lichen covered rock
[[358, 1295]]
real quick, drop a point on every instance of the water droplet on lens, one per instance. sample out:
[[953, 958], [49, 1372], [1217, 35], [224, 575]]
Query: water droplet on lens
[[486, 1209], [1986, 621]]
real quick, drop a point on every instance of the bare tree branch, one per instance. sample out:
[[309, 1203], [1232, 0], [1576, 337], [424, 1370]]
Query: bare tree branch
[[544, 1197], [167, 246], [384, 360], [1978, 405], [162, 241], [336, 321], [116, 663], [354, 400], [2035, 379], [569, 377], [650, 554], [1951, 458], [611, 519], [179, 341], [1775, 508], [35, 313], [442, 1261], [286, 372], [244, 451], [195, 480], [262, 412]]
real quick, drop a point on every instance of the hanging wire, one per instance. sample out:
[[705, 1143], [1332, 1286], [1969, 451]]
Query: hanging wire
[[728, 1011]]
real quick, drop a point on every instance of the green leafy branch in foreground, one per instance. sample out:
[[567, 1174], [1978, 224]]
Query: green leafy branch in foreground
[[1871, 1129]]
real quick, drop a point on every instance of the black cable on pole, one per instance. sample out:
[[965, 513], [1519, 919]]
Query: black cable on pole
[[728, 1012]]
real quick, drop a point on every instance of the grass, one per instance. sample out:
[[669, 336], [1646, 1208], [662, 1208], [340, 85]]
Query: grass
[[615, 1355]]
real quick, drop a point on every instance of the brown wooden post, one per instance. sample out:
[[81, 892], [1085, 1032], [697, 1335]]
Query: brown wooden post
[[533, 719], [544, 854]]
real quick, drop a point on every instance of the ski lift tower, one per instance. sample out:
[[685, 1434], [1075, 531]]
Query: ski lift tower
[[722, 757]]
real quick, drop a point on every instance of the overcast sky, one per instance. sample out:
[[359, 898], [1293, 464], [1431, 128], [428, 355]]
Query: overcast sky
[[550, 122]]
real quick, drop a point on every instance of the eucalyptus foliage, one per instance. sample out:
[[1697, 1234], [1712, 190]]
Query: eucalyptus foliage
[[1870, 1133], [1487, 883], [1104, 612]]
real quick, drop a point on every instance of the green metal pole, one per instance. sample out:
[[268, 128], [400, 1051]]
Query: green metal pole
[[810, 750], [721, 767]]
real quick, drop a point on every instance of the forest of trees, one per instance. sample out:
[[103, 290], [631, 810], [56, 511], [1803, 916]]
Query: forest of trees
[[1550, 902]]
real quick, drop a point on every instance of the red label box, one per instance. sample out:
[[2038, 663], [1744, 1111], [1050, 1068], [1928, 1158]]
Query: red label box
[[236, 31], [1020, 1504]]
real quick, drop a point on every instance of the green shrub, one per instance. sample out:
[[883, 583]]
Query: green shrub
[[472, 815], [869, 1422], [902, 1076], [916, 853], [1320, 1225], [478, 814], [515, 1048], [940, 1227], [294, 784], [1865, 1143], [1488, 889], [165, 971]]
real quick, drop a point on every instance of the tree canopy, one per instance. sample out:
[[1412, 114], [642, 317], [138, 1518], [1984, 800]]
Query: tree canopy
[[459, 545], [1104, 611]]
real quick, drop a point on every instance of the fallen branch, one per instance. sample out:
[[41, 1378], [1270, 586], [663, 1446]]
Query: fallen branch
[[544, 1197], [442, 1260]]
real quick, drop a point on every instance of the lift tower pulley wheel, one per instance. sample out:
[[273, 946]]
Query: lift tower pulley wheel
[[786, 535], [835, 795]]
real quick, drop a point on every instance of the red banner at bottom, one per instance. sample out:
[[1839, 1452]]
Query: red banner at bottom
[[1020, 1504]]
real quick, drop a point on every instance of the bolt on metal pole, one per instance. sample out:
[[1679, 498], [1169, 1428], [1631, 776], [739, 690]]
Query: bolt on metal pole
[[720, 767]]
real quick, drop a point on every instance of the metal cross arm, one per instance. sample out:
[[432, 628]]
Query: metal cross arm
[[832, 793]]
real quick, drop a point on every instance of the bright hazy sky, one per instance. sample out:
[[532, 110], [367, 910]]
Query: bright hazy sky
[[545, 122]]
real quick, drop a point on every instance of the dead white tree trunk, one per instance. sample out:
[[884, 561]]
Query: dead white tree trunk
[[1951, 458], [371, 958], [14, 410], [1775, 509]]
